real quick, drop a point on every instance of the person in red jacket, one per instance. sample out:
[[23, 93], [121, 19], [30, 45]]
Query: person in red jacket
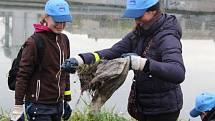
[[45, 91]]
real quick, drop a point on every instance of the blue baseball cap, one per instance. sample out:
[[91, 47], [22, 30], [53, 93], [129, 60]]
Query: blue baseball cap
[[58, 10], [137, 8], [204, 102]]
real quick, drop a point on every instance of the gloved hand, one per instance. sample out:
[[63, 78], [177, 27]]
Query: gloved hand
[[128, 54], [17, 112], [67, 111], [71, 64], [136, 62]]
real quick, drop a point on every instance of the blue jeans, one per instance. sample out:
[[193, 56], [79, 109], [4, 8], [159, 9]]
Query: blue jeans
[[44, 112]]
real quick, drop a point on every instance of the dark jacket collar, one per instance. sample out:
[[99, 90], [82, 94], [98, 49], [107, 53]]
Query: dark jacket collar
[[151, 27]]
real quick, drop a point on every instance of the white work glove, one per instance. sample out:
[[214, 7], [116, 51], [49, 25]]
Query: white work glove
[[17, 112], [137, 62], [79, 59]]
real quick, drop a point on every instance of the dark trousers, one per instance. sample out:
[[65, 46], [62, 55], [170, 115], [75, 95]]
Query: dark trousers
[[22, 118], [160, 117], [44, 112]]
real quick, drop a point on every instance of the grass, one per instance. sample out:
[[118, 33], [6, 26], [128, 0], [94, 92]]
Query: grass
[[4, 116], [86, 115], [103, 115], [183, 120]]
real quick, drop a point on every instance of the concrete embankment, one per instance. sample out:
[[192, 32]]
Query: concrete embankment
[[179, 5], [190, 5], [22, 3]]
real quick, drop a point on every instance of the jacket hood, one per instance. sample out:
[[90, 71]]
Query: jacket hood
[[171, 23], [41, 28]]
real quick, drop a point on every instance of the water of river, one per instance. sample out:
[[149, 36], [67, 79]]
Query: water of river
[[92, 30]]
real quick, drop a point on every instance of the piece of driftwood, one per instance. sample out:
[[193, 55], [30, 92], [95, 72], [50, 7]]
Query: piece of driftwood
[[103, 79]]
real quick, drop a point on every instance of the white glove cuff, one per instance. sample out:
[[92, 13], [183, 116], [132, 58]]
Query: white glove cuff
[[79, 59], [18, 108], [17, 112], [142, 63], [138, 63]]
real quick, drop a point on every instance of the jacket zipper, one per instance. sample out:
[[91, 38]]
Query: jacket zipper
[[59, 69], [38, 90]]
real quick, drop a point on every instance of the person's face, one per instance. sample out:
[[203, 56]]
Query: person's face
[[203, 114], [56, 27], [146, 18]]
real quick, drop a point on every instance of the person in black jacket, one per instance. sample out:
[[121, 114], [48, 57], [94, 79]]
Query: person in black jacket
[[155, 51], [204, 107]]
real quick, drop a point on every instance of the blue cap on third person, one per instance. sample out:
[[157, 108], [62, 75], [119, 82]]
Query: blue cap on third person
[[58, 10], [204, 102], [137, 8]]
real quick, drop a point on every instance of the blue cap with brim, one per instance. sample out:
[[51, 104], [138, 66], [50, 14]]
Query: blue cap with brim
[[62, 18], [59, 10], [132, 13], [137, 8], [204, 102], [194, 113]]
